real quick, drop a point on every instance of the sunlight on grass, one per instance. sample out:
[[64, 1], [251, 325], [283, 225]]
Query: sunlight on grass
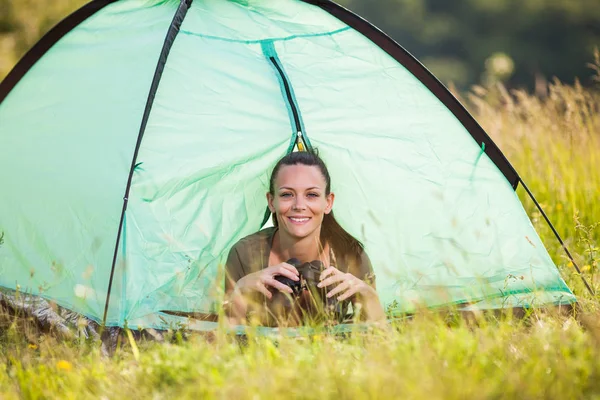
[[540, 357], [552, 142]]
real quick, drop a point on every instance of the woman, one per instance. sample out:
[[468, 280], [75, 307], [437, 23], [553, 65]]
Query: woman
[[304, 229]]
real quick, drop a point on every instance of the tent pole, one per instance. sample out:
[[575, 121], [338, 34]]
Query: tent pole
[[164, 54], [539, 207]]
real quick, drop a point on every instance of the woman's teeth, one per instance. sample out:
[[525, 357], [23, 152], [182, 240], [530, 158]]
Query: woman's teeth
[[299, 220]]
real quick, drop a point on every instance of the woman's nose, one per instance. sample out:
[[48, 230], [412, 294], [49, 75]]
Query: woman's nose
[[299, 204]]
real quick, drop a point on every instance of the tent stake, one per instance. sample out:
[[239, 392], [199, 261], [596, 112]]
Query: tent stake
[[587, 285]]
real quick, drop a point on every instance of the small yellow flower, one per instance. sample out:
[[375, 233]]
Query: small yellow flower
[[570, 264], [64, 365], [32, 346], [586, 268], [559, 207]]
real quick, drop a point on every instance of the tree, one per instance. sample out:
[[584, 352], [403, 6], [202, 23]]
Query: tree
[[455, 38]]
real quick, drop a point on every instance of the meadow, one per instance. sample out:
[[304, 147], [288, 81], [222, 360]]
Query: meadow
[[553, 140]]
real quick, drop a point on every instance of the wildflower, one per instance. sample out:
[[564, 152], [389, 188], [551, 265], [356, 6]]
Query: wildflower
[[64, 365], [32, 346]]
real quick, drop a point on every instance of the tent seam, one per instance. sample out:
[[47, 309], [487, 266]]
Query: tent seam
[[260, 41]]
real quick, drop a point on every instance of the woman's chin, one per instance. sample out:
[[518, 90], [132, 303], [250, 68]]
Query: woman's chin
[[299, 232]]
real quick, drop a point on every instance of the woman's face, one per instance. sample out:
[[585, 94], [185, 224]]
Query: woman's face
[[300, 201]]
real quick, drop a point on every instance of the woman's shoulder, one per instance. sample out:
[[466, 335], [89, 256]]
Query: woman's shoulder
[[250, 253], [255, 241]]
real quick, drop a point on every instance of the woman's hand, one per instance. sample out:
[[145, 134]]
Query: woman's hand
[[262, 280], [349, 285]]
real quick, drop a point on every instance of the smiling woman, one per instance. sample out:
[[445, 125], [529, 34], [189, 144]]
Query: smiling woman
[[307, 265]]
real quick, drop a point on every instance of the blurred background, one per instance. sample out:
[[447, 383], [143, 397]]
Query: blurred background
[[475, 41], [521, 43]]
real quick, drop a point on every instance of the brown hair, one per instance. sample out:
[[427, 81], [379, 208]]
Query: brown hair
[[344, 245]]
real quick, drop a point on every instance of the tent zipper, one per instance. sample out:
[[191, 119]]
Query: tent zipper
[[288, 93], [300, 139]]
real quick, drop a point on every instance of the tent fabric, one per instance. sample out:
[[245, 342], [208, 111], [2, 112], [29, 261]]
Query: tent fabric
[[434, 205]]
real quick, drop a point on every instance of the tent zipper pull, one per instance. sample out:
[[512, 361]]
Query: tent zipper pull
[[300, 142]]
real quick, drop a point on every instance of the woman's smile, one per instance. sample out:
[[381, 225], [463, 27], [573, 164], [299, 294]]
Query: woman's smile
[[299, 220]]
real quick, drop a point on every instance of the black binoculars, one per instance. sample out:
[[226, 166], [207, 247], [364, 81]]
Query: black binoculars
[[309, 299]]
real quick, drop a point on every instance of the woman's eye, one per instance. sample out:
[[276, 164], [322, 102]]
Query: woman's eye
[[285, 195], [313, 195]]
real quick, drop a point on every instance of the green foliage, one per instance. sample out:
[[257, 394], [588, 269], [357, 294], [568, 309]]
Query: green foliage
[[22, 24], [455, 38]]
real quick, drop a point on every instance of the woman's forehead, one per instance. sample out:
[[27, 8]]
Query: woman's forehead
[[300, 176]]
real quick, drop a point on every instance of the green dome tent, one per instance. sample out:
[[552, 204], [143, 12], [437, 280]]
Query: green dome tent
[[137, 137]]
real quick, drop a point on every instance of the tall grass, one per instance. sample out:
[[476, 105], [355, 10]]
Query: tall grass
[[425, 358], [553, 142]]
